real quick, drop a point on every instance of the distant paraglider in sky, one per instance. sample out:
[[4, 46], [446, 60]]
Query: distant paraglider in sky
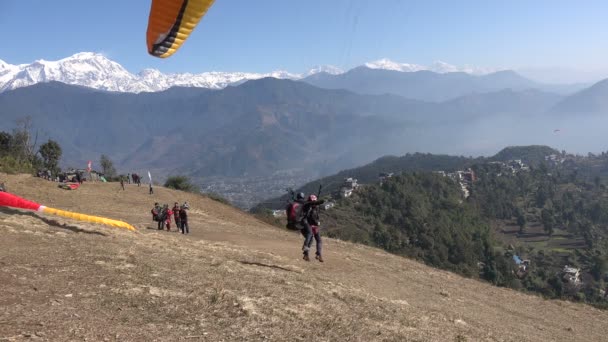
[[557, 130], [171, 22]]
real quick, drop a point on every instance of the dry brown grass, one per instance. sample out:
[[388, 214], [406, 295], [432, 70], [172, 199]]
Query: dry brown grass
[[236, 279]]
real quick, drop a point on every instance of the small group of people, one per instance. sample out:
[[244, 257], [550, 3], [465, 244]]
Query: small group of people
[[45, 174], [303, 214], [163, 215], [130, 178], [60, 177]]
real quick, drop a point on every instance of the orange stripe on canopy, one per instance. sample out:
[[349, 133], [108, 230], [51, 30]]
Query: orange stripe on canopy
[[171, 22]]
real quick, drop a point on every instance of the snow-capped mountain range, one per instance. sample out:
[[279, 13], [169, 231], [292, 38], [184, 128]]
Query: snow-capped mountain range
[[94, 70], [438, 67]]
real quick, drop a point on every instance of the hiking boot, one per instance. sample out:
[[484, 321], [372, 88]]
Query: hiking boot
[[306, 257], [320, 258]]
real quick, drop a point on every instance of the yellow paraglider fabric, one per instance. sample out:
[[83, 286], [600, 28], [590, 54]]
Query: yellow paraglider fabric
[[87, 218], [171, 22]]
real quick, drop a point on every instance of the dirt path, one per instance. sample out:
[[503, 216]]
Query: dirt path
[[235, 278]]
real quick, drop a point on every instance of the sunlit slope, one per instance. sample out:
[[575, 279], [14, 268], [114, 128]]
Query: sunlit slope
[[235, 278]]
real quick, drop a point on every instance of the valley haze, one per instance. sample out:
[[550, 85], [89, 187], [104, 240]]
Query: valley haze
[[227, 129]]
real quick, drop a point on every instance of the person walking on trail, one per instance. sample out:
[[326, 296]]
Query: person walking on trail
[[128, 178], [176, 217], [183, 216], [122, 183], [151, 190], [314, 222]]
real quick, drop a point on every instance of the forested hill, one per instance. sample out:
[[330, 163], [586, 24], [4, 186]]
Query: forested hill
[[532, 155], [369, 173], [553, 215], [413, 162], [420, 215]]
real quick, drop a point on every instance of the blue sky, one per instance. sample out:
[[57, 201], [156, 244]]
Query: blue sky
[[266, 35]]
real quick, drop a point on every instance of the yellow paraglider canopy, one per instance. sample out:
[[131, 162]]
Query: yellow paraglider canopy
[[171, 22]]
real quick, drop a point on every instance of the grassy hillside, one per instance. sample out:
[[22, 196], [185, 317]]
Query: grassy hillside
[[235, 278]]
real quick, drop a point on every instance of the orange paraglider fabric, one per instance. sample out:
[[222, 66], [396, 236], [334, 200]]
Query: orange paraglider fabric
[[171, 22]]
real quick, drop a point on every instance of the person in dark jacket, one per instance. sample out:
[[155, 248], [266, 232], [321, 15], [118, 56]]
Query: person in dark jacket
[[157, 213], [183, 217], [314, 222], [304, 223]]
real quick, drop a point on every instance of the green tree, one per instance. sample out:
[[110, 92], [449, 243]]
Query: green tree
[[182, 183], [599, 267], [556, 285], [548, 220], [521, 221], [22, 147], [51, 153], [6, 140], [107, 166]]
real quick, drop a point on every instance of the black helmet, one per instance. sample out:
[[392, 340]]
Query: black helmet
[[300, 196]]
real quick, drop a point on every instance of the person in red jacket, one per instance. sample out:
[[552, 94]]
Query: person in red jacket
[[176, 217], [168, 216]]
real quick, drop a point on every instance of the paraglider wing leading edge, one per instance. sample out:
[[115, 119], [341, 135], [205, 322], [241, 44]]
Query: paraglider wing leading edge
[[171, 22]]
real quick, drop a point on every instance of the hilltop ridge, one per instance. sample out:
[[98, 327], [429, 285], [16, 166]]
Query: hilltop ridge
[[236, 278]]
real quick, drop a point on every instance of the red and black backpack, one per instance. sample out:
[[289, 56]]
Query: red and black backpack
[[294, 214]]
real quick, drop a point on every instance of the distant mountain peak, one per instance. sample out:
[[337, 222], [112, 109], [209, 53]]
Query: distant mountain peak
[[387, 64], [5, 66], [328, 69], [96, 70], [86, 55], [437, 66]]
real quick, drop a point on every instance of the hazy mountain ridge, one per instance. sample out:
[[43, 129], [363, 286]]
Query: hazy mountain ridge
[[268, 125], [421, 85], [589, 101]]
